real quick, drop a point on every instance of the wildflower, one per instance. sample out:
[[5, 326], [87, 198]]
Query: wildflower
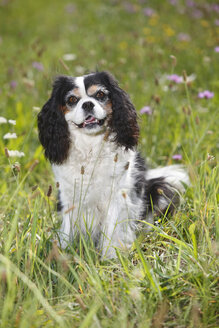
[[36, 108], [197, 14], [79, 69], [216, 22], [179, 79], [215, 7], [15, 153], [2, 120], [69, 57], [13, 122], [10, 136], [13, 84], [173, 2], [175, 78], [177, 157], [38, 66], [184, 37], [216, 49], [148, 12], [190, 3], [146, 110], [206, 94], [129, 7]]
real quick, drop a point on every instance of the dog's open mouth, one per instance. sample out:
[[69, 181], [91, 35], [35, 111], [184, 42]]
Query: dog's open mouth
[[90, 122]]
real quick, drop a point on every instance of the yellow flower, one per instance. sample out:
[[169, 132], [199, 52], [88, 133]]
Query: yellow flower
[[168, 30], [123, 45], [153, 20], [204, 23], [150, 39], [146, 30]]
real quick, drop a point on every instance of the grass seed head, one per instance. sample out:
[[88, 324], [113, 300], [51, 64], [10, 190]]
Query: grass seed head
[[49, 192], [82, 170]]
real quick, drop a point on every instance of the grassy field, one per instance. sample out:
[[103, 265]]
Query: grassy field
[[166, 56]]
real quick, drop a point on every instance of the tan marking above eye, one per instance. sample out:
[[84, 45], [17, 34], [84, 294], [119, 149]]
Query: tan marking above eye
[[76, 92], [92, 89]]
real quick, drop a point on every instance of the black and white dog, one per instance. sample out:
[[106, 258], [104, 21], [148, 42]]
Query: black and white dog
[[89, 131]]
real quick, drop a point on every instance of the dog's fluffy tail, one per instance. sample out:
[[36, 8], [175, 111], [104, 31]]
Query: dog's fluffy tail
[[164, 188]]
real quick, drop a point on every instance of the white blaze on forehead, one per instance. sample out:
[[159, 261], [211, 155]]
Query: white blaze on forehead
[[79, 81]]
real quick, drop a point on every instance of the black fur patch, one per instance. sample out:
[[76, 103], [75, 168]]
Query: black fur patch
[[156, 190], [53, 128], [124, 118]]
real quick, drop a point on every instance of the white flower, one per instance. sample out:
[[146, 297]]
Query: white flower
[[79, 69], [15, 153], [36, 108], [69, 57], [10, 136], [2, 120], [13, 122]]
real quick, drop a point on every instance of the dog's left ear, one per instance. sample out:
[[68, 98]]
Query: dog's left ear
[[124, 116]]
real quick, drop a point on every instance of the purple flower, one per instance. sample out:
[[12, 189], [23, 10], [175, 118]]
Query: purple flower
[[38, 66], [13, 84], [206, 94], [175, 78], [190, 3], [216, 49], [148, 11], [173, 2], [129, 7], [146, 110], [177, 157], [216, 22], [196, 13], [184, 37], [215, 7]]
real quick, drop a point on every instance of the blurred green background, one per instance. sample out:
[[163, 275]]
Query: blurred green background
[[164, 53]]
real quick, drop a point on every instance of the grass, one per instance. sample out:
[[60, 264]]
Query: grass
[[170, 277]]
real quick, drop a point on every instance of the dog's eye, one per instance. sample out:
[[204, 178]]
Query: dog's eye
[[100, 95], [72, 100]]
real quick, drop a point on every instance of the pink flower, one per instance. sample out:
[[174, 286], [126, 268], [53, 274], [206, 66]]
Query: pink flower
[[184, 37], [177, 157], [216, 49], [146, 110], [175, 78], [13, 84], [148, 11], [206, 94], [38, 66], [216, 22]]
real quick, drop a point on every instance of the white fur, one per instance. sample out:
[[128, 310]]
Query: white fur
[[100, 196]]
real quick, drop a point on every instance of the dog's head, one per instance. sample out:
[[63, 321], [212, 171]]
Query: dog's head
[[90, 104]]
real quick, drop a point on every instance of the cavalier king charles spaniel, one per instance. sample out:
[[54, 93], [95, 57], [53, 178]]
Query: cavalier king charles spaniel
[[89, 131]]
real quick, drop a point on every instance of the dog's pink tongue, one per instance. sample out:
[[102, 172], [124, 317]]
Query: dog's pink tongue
[[89, 120]]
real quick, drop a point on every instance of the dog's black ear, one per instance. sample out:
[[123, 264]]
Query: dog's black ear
[[124, 116], [53, 128]]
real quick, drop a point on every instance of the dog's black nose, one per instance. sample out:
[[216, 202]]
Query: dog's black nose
[[88, 106]]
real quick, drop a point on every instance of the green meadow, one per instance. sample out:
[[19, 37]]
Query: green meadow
[[165, 54]]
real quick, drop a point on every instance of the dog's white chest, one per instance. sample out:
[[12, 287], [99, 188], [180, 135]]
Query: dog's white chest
[[94, 179]]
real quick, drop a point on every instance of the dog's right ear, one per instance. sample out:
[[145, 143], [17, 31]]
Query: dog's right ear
[[53, 128]]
